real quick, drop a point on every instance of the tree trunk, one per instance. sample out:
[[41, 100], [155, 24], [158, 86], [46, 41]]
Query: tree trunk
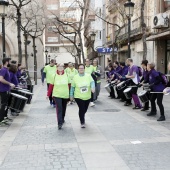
[[143, 26], [81, 45], [19, 36], [35, 60]]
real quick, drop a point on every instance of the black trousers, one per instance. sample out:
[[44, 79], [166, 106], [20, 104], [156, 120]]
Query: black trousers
[[112, 93], [50, 97], [83, 106], [3, 104], [159, 98], [61, 105]]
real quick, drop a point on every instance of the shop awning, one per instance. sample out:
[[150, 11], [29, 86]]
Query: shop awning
[[163, 35]]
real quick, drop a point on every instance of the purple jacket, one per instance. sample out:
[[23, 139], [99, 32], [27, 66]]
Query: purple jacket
[[155, 81], [4, 72], [124, 72], [133, 69], [13, 78]]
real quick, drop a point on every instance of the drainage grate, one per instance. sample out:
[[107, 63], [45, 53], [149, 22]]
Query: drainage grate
[[111, 110]]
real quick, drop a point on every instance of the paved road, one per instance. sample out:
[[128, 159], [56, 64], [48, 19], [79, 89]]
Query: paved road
[[33, 142]]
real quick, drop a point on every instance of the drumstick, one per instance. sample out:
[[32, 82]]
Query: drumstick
[[132, 86], [156, 92], [168, 75]]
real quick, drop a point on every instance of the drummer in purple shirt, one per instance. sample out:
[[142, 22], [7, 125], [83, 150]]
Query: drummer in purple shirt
[[156, 86], [5, 86], [133, 74], [167, 90]]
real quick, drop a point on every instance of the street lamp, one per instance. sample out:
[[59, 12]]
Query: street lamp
[[92, 36], [129, 8], [49, 59], [3, 12], [46, 54]]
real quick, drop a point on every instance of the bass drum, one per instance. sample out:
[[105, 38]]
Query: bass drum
[[26, 94], [17, 102], [107, 87], [128, 93], [143, 96]]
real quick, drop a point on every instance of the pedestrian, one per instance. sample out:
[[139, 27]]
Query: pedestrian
[[156, 86], [43, 74], [144, 80], [50, 71], [59, 90], [89, 69], [5, 86], [81, 88], [71, 72], [167, 90], [98, 72], [133, 75]]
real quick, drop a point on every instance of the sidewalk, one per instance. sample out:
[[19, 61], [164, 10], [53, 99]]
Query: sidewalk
[[33, 141]]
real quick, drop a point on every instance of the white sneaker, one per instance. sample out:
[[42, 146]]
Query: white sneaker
[[83, 126], [92, 104]]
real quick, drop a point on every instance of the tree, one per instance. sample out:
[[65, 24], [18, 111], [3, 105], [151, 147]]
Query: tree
[[17, 6], [75, 27]]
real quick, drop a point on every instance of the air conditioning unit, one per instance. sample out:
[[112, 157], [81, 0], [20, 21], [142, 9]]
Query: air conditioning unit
[[161, 20]]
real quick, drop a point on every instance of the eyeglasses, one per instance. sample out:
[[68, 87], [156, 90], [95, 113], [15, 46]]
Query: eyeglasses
[[81, 68]]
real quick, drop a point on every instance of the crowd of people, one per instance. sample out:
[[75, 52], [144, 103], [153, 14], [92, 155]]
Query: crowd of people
[[11, 76], [125, 78]]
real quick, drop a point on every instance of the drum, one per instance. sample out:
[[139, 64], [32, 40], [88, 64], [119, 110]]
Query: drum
[[107, 87], [128, 93], [121, 85], [17, 102], [143, 95], [30, 87], [26, 94], [113, 82]]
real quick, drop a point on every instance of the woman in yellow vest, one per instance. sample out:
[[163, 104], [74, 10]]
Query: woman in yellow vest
[[81, 88], [60, 92]]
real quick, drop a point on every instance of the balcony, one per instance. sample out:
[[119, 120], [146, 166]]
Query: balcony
[[112, 6], [91, 16]]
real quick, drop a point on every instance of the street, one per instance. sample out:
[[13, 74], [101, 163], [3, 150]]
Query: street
[[115, 138]]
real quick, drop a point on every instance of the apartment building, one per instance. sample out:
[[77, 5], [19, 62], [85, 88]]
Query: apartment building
[[58, 47]]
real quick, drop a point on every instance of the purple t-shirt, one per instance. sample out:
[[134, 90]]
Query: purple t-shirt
[[132, 70], [152, 79], [13, 78], [4, 72]]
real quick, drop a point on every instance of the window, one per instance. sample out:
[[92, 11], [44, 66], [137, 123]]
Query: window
[[52, 39], [70, 36], [54, 49], [52, 7]]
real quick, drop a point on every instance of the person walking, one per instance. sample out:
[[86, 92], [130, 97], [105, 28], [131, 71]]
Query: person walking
[[98, 72], [167, 89], [157, 87], [5, 86], [50, 71], [59, 90], [81, 88], [89, 69]]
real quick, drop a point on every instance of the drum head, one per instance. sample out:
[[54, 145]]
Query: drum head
[[120, 84], [142, 93], [18, 96], [127, 90], [26, 92], [107, 85]]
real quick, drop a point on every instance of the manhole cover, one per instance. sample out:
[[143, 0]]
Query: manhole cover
[[111, 110]]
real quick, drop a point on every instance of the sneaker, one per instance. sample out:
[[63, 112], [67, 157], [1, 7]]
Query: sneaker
[[4, 122], [83, 126], [144, 109], [162, 118], [8, 119], [59, 127], [151, 114], [14, 114], [92, 104], [54, 106], [136, 107], [127, 104]]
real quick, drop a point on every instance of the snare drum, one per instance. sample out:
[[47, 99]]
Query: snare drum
[[121, 85], [107, 87], [128, 93], [143, 95], [26, 94], [17, 102]]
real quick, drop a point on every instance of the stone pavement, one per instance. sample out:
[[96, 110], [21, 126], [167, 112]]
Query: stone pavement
[[115, 138]]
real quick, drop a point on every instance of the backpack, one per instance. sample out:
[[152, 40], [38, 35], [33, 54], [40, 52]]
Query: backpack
[[140, 71], [164, 78]]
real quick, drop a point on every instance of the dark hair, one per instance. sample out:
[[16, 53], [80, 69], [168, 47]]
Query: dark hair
[[13, 68], [81, 65], [4, 60], [145, 62], [19, 64], [111, 66], [13, 62], [0, 66], [116, 62], [122, 64]]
